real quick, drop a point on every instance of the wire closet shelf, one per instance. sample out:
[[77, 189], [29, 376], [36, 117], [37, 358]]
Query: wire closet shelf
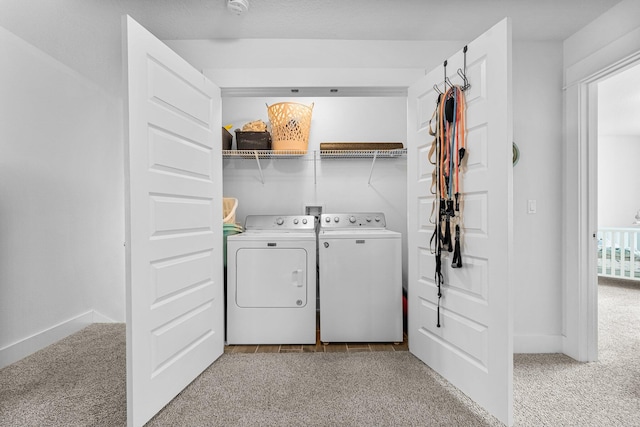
[[325, 154]]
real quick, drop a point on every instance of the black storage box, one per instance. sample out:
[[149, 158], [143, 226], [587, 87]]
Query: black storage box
[[253, 140], [227, 138]]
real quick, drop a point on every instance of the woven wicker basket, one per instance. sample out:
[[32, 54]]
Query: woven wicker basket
[[229, 205], [290, 124]]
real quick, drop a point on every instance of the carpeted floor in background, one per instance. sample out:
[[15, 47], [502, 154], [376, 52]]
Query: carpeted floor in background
[[555, 390], [80, 381]]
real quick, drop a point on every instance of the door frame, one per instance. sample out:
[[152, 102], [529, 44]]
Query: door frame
[[580, 207]]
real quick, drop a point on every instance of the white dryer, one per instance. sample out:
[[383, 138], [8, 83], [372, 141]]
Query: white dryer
[[360, 276], [271, 281]]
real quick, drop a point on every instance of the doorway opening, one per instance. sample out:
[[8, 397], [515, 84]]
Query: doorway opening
[[615, 198]]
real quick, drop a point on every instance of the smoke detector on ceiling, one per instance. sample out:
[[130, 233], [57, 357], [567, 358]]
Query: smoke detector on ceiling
[[238, 6]]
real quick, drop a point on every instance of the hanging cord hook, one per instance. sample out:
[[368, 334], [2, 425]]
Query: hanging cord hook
[[463, 74], [465, 81], [446, 80]]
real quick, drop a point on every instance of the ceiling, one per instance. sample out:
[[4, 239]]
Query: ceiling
[[369, 20], [312, 19]]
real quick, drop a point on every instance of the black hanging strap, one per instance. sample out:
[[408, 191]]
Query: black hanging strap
[[457, 257], [450, 136], [446, 241], [441, 209]]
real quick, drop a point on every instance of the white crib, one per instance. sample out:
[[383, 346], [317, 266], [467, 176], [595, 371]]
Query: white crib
[[619, 252]]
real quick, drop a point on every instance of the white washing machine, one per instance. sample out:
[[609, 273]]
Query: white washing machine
[[360, 276], [271, 281]]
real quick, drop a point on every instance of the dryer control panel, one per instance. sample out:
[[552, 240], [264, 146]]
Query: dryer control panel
[[280, 222], [353, 220]]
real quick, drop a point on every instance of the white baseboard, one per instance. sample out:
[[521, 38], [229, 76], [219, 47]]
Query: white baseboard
[[23, 348], [537, 343], [101, 318]]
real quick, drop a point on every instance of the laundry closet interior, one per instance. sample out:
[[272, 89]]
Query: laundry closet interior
[[354, 181]]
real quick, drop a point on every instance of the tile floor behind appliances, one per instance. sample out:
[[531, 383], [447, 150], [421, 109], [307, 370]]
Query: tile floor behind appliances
[[319, 346]]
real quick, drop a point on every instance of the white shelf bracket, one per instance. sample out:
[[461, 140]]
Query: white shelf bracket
[[255, 153], [315, 175], [373, 163]]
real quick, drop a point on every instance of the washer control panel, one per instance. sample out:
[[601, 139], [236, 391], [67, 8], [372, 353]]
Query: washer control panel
[[353, 220], [279, 222]]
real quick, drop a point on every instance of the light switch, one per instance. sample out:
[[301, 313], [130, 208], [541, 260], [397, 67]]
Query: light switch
[[531, 206]]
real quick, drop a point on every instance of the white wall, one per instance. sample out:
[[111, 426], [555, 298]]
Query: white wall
[[603, 41], [537, 104], [618, 180], [537, 77], [61, 203]]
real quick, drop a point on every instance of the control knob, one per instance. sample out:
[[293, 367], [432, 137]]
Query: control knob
[[352, 219], [279, 221]]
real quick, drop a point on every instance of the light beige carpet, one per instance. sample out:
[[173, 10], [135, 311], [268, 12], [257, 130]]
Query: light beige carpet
[[555, 390], [321, 389], [78, 381]]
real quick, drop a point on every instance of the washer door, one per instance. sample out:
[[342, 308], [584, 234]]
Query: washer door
[[271, 277]]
